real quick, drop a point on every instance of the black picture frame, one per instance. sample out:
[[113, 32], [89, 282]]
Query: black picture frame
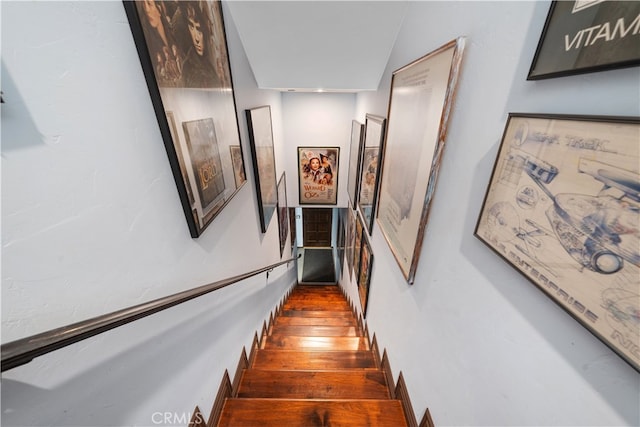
[[355, 161], [263, 161], [563, 208], [587, 36], [283, 213], [184, 91], [371, 165]]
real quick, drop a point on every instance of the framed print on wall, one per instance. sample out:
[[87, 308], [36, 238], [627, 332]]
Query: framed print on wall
[[189, 82], [364, 279], [420, 103], [283, 217], [370, 170], [355, 161], [318, 175], [264, 162], [563, 208], [587, 36], [238, 165]]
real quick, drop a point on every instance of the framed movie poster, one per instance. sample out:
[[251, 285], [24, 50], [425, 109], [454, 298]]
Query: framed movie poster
[[364, 279], [420, 103], [283, 217], [351, 233], [264, 162], [183, 54], [358, 236], [318, 175], [370, 170], [355, 162], [563, 208], [586, 36], [238, 165]]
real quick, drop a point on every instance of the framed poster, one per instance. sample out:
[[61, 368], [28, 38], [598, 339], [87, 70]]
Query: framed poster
[[364, 279], [355, 161], [318, 175], [283, 217], [358, 236], [238, 165], [351, 233], [586, 36], [205, 162], [264, 162], [183, 53], [420, 103], [563, 208], [370, 171]]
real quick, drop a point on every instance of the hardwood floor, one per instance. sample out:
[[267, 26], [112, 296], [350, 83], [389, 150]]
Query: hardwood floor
[[313, 367]]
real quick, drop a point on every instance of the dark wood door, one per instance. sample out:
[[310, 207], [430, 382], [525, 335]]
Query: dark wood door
[[316, 227]]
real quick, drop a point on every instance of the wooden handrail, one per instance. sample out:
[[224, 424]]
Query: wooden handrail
[[24, 350]]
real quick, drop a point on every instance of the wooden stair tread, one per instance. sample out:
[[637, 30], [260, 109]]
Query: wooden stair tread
[[279, 341], [314, 360], [315, 331], [315, 321], [313, 384], [311, 412], [317, 313]]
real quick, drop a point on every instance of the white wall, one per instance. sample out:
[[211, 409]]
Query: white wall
[[477, 343], [317, 120], [92, 222]]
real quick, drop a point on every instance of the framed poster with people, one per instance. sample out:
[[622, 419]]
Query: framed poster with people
[[183, 53], [318, 175]]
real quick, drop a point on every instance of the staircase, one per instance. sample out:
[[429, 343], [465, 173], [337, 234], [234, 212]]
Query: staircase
[[313, 366]]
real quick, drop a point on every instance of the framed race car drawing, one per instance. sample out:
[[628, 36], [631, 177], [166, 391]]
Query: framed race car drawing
[[563, 208]]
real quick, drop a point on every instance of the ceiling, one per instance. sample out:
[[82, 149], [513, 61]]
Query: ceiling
[[311, 45]]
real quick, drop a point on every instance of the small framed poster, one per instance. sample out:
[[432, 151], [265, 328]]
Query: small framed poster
[[318, 175]]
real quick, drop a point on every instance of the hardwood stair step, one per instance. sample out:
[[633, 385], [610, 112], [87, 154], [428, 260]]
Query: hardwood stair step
[[316, 305], [308, 413], [317, 313], [314, 331], [314, 321], [313, 385], [278, 341], [314, 360]]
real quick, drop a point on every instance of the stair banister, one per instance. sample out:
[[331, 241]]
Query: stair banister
[[22, 351]]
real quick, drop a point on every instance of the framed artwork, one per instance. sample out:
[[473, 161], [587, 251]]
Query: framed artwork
[[357, 245], [283, 217], [563, 208], [238, 165], [586, 36], [355, 161], [189, 80], [351, 233], [364, 279], [318, 175], [264, 162], [420, 103], [292, 227], [370, 170]]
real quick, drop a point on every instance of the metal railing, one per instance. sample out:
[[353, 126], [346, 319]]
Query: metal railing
[[24, 350]]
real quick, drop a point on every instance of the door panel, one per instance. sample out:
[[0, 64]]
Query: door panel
[[316, 226]]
